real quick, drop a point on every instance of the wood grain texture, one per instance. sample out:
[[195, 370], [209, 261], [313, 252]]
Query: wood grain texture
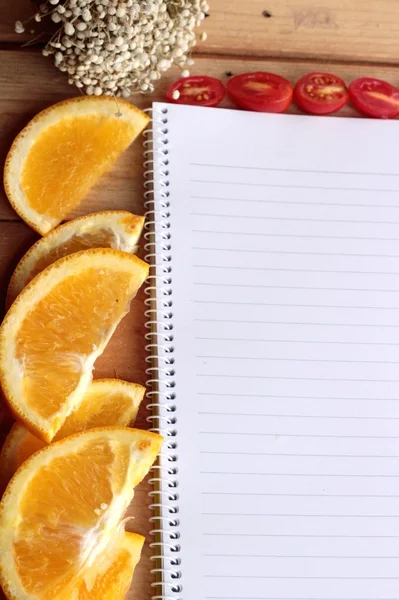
[[9, 13], [363, 30]]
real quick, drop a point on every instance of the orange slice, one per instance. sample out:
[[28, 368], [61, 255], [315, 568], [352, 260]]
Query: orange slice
[[116, 229], [62, 153], [57, 327], [113, 573], [65, 507], [106, 402]]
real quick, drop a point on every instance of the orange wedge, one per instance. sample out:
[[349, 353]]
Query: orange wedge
[[111, 578], [63, 152], [116, 229], [106, 402], [57, 327], [113, 573], [64, 509]]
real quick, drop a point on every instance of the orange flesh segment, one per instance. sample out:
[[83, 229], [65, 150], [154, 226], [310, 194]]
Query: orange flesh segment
[[111, 581], [114, 583], [63, 334], [61, 517], [28, 446], [106, 402], [81, 148], [102, 238], [54, 564], [99, 409]]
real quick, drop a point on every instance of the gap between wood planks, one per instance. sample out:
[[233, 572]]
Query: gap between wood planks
[[213, 54]]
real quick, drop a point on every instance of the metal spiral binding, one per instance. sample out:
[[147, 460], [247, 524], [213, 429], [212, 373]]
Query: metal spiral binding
[[160, 358]]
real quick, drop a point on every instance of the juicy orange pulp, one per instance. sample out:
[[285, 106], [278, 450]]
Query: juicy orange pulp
[[81, 148], [101, 238], [91, 298], [64, 509], [42, 522], [112, 575], [106, 402]]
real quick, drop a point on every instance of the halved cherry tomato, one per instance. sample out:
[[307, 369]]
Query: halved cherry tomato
[[260, 91], [320, 93], [198, 90], [374, 98]]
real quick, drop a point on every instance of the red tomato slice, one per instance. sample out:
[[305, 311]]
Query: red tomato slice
[[198, 90], [320, 93], [374, 98], [263, 92]]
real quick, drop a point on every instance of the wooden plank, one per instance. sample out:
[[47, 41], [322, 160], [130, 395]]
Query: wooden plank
[[11, 12], [363, 30], [39, 84]]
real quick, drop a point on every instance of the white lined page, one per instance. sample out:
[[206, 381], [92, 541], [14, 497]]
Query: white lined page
[[285, 287]]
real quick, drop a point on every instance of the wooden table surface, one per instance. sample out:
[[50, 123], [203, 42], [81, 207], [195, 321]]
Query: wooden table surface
[[289, 37]]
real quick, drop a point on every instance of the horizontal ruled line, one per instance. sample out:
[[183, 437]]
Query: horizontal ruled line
[[245, 376], [320, 556], [306, 360], [295, 219], [303, 435], [281, 416], [281, 270], [272, 474], [237, 514], [292, 287], [315, 323], [343, 306], [290, 598], [241, 250], [271, 494], [295, 187], [297, 535], [288, 235], [292, 202], [297, 397], [288, 170], [226, 453], [322, 577], [220, 339]]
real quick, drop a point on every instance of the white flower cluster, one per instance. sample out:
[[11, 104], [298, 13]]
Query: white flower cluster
[[116, 47]]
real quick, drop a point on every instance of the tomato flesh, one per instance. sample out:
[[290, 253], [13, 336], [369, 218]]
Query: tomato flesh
[[260, 91], [374, 98], [198, 90], [320, 93]]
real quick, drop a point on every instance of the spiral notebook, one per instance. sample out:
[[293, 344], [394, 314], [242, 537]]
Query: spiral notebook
[[273, 324]]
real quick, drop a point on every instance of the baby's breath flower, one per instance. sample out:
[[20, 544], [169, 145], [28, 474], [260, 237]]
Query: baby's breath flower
[[116, 47], [19, 27]]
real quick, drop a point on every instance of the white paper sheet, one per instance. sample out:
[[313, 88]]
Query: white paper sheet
[[285, 287]]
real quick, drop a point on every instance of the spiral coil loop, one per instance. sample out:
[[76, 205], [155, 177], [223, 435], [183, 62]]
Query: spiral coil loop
[[160, 360]]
